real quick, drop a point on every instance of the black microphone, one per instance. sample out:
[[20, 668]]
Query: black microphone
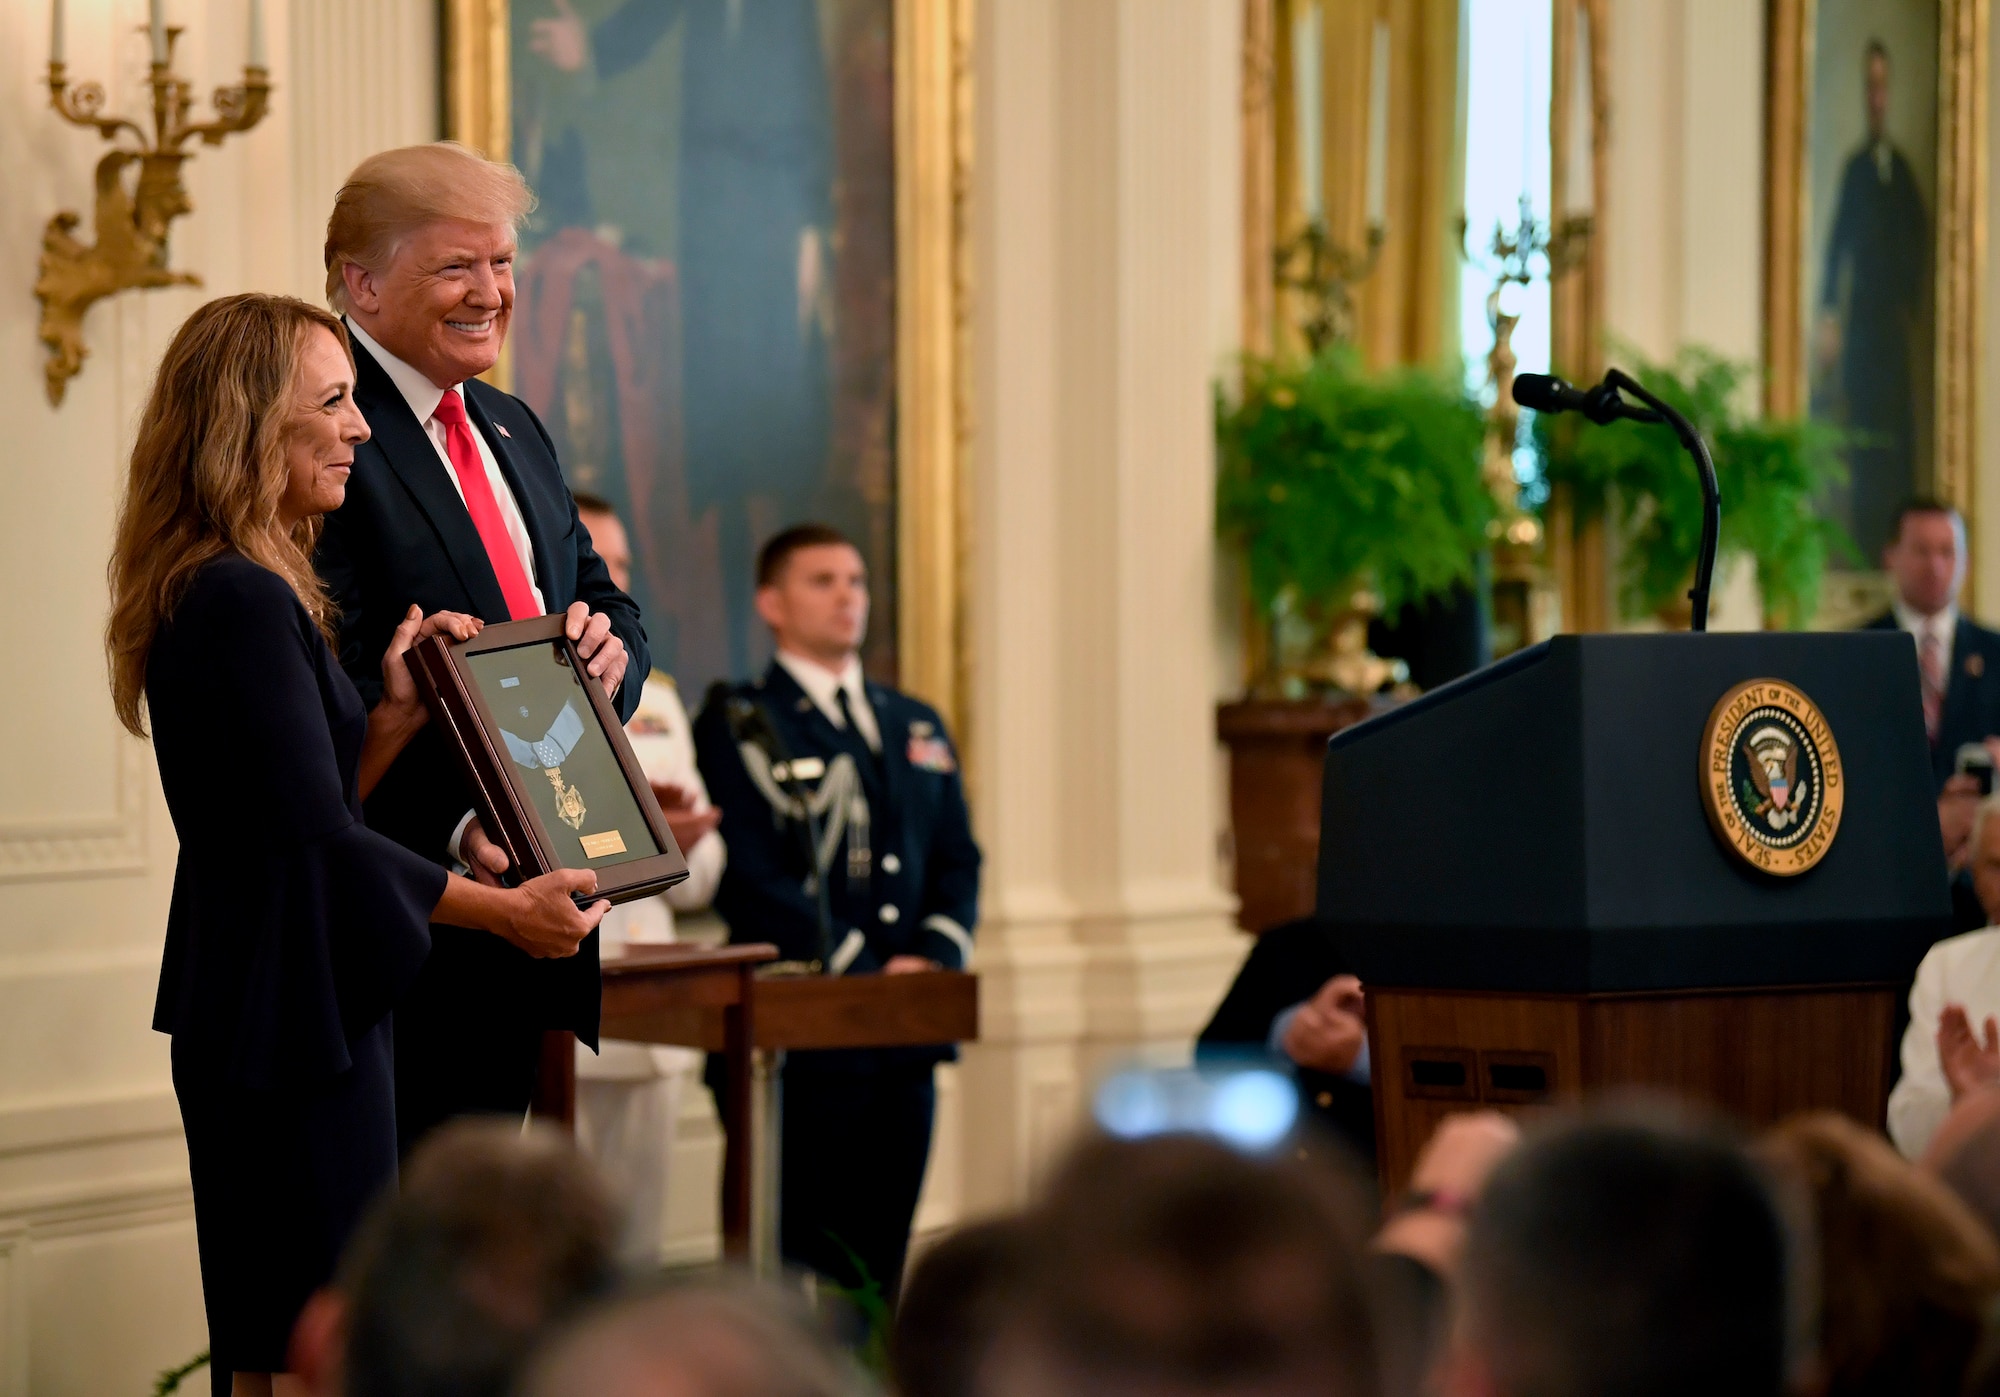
[[1547, 393], [1603, 404]]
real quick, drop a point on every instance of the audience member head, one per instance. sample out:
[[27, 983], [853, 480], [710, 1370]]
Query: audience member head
[[245, 441], [953, 1302], [1623, 1254], [1965, 1154], [812, 591], [495, 1235], [1175, 1265], [1926, 555], [420, 253], [702, 1341], [1905, 1270], [607, 536]]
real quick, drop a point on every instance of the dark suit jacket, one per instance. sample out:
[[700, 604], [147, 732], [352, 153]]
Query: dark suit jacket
[[404, 536], [1286, 966], [1972, 691]]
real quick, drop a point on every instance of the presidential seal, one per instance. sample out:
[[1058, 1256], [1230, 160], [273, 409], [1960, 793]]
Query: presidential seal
[[1771, 781]]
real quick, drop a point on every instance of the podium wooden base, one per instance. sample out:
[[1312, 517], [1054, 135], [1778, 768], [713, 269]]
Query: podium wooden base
[[1757, 1055]]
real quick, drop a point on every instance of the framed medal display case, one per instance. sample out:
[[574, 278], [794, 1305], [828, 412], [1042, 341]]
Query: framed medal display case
[[553, 776]]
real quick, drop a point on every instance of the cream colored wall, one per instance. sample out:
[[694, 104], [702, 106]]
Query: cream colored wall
[[98, 1283]]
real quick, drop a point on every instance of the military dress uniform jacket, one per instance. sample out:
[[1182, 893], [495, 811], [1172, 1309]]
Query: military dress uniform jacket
[[896, 844]]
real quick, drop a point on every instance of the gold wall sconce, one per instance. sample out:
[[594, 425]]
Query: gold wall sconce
[[131, 219]]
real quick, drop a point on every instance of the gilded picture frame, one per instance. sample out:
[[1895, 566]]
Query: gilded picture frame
[[1958, 236], [933, 117]]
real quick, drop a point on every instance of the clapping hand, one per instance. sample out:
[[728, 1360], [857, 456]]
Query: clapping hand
[[1327, 1032], [688, 824], [1968, 1063]]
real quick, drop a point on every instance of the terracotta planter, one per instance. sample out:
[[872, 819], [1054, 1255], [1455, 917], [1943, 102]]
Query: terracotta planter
[[1277, 748]]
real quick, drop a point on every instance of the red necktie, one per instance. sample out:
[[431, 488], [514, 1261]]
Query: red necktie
[[1930, 663], [484, 509]]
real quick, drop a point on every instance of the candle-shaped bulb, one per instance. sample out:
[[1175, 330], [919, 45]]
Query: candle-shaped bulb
[[258, 58], [1378, 127], [158, 18], [56, 55]]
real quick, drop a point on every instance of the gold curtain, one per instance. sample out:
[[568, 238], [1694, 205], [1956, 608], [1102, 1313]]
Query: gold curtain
[[1407, 307], [1578, 555]]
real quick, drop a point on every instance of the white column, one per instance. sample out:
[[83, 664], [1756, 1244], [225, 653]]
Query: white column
[[1105, 142]]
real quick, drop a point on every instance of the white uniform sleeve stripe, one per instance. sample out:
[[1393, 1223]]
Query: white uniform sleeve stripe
[[952, 932], [849, 949]]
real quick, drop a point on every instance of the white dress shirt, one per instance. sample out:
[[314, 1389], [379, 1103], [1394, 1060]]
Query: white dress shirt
[[1944, 626], [1964, 970], [821, 684], [423, 396]]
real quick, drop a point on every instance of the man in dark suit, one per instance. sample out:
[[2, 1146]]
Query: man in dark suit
[[891, 887], [456, 502], [1958, 661]]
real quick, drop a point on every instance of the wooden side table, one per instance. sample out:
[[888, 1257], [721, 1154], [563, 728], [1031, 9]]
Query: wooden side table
[[649, 993], [712, 1000]]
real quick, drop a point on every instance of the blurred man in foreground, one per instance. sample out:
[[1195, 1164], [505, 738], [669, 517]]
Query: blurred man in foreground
[[497, 1235], [1609, 1255]]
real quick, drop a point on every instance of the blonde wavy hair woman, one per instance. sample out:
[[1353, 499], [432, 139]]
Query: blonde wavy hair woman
[[294, 928]]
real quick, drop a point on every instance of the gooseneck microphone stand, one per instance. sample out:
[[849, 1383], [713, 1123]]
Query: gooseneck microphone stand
[[1603, 404]]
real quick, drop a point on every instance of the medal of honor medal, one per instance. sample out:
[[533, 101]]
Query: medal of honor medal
[[547, 755]]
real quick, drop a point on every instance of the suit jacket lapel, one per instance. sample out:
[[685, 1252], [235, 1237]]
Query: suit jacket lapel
[[510, 467], [403, 444]]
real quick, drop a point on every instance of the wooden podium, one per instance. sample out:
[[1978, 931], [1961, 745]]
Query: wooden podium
[[1523, 871], [711, 1000]]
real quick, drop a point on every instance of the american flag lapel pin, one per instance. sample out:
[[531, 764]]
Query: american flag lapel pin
[[504, 432]]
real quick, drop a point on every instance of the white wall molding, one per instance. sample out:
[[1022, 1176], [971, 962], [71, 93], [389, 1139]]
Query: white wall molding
[[112, 843]]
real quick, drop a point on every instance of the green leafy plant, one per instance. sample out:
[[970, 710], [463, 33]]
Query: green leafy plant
[[169, 1380], [1770, 472], [1333, 480]]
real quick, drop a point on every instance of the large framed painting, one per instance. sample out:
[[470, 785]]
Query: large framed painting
[[741, 298], [1875, 210]]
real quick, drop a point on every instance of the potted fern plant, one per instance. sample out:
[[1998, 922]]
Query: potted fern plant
[[1771, 473], [1344, 493]]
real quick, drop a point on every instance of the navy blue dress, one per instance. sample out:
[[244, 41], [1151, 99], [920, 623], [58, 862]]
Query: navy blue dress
[[293, 931]]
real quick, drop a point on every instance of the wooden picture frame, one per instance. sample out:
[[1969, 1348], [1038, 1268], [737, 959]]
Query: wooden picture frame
[[452, 680], [933, 119], [1958, 253]]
